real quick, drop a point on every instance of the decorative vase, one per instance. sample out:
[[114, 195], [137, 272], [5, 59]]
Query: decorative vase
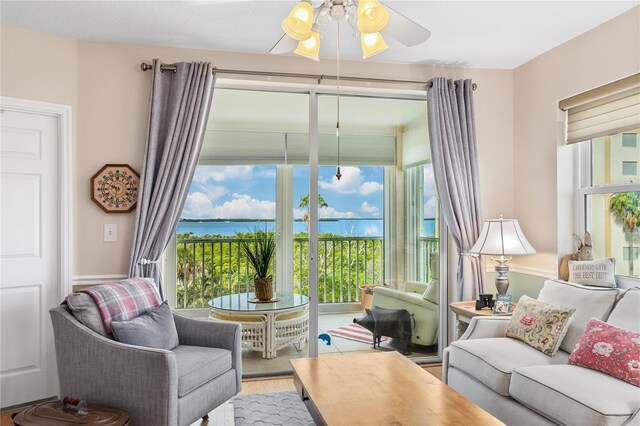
[[263, 288]]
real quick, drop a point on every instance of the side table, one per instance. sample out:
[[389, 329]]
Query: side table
[[51, 413], [466, 309]]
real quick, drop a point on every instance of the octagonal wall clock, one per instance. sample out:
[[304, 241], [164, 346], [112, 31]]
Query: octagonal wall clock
[[115, 188]]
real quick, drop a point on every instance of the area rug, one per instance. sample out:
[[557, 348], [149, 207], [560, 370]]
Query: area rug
[[280, 408], [355, 332]]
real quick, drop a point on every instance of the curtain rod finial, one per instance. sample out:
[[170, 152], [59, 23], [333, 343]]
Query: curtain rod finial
[[145, 67]]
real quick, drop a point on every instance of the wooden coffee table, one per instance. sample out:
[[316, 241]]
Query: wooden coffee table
[[379, 389]]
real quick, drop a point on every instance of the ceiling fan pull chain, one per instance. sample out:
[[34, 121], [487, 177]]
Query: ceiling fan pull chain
[[338, 174]]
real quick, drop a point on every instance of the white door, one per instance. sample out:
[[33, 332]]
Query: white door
[[29, 253]]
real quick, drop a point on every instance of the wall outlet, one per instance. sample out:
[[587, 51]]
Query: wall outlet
[[110, 233]]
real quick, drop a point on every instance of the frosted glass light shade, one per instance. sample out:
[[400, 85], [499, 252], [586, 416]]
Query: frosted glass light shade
[[372, 44], [310, 47], [298, 24], [502, 237], [372, 16]]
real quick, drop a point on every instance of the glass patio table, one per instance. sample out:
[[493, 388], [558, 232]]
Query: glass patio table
[[266, 326]]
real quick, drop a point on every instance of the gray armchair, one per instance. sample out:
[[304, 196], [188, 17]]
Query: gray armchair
[[155, 386]]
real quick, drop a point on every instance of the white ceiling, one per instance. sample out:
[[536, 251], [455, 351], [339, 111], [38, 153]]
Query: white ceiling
[[482, 34]]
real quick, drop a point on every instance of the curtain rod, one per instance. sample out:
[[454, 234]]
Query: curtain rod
[[319, 77]]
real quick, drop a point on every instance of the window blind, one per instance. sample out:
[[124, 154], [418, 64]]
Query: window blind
[[415, 147], [606, 110], [225, 147]]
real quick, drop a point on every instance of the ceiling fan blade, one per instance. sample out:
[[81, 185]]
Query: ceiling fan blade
[[404, 29], [285, 45], [209, 2]]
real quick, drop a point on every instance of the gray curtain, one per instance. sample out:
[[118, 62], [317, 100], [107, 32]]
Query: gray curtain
[[178, 113], [455, 165]]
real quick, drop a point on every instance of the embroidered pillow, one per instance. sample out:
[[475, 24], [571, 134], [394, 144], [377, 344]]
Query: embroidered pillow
[[610, 350], [540, 325], [599, 273]]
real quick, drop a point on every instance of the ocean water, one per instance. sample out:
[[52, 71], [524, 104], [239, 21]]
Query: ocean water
[[345, 227]]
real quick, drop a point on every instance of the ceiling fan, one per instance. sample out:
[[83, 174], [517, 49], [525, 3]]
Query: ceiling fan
[[305, 25]]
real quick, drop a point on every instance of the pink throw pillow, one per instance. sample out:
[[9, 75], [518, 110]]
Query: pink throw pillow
[[611, 350]]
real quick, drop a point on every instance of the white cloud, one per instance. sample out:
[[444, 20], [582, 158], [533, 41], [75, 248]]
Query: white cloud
[[197, 206], [204, 174], [430, 207], [372, 230], [243, 206], [330, 212], [269, 173], [215, 191], [370, 209], [429, 181], [368, 188], [352, 182]]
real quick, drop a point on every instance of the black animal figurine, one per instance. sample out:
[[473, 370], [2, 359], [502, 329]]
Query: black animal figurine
[[394, 323]]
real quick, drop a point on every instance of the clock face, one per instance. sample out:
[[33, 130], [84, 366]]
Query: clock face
[[115, 188]]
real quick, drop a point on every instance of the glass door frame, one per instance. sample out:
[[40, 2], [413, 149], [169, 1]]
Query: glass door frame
[[313, 91]]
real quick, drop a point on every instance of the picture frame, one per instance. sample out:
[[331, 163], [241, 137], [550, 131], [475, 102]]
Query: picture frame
[[115, 188], [502, 304]]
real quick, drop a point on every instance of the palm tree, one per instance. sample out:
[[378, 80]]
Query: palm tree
[[625, 208], [304, 203]]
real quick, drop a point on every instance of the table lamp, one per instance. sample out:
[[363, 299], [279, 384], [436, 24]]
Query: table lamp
[[502, 237]]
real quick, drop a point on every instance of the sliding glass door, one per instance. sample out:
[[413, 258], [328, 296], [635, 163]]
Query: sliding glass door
[[342, 245]]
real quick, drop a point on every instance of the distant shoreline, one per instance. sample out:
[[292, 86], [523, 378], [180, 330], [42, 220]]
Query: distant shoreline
[[295, 220]]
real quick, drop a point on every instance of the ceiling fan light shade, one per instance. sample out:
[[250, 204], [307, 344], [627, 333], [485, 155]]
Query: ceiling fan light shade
[[298, 24], [372, 44], [310, 47], [372, 16]]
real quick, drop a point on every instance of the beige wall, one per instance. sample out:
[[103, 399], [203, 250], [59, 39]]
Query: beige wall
[[543, 175], [111, 111], [38, 66]]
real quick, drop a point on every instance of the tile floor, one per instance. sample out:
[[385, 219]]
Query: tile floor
[[254, 364]]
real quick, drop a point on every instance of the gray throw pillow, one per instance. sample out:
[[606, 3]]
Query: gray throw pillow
[[84, 308], [155, 329]]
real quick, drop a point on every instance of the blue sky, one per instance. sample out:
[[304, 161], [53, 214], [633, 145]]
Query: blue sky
[[249, 192]]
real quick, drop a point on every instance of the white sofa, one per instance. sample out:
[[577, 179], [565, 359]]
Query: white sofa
[[522, 386]]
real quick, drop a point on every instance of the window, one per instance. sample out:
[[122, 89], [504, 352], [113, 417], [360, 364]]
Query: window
[[629, 168], [422, 223], [609, 198], [630, 140], [223, 201], [350, 231]]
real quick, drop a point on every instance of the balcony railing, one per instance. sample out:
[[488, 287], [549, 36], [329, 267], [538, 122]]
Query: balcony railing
[[212, 267]]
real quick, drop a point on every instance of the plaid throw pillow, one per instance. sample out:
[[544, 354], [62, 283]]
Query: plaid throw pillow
[[540, 325]]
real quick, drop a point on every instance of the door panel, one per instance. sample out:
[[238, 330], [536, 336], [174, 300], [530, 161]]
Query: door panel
[[28, 255]]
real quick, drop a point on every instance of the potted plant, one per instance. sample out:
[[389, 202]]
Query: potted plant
[[260, 247]]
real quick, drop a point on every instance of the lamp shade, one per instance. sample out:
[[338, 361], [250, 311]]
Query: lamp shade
[[298, 24], [372, 16], [372, 44], [310, 47], [502, 237]]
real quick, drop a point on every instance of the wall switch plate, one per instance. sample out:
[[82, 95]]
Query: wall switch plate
[[110, 232]]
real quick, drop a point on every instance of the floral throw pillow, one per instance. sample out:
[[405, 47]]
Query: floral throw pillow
[[610, 350], [539, 324]]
